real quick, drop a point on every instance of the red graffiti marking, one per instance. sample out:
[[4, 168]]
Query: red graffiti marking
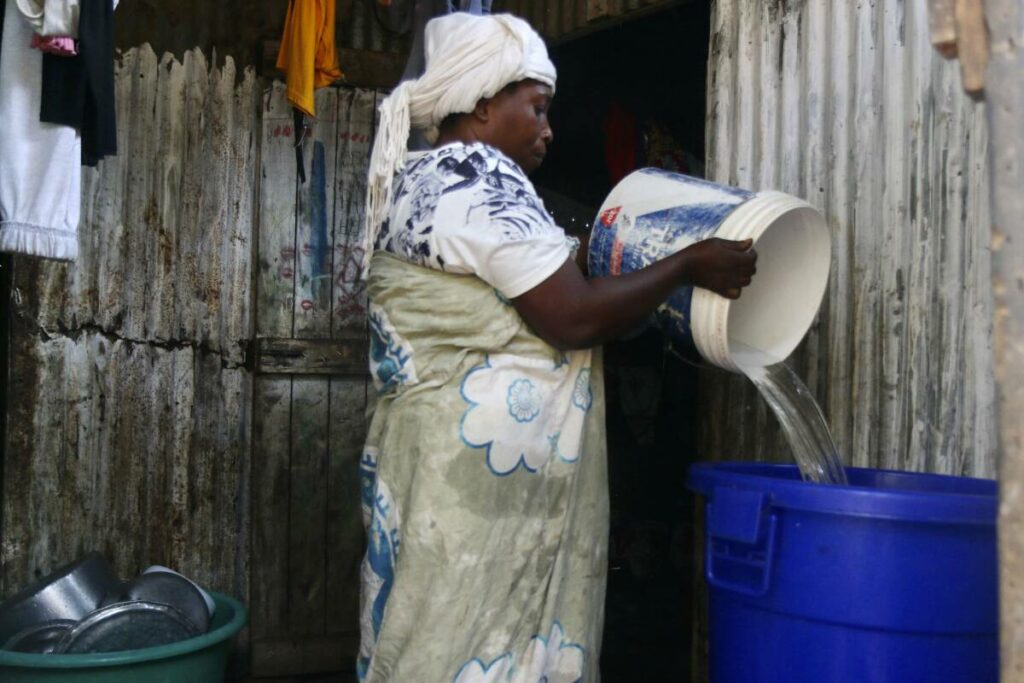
[[307, 305], [354, 137]]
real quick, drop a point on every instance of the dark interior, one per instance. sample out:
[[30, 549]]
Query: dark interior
[[640, 80]]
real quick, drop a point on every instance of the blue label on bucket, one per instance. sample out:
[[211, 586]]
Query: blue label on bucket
[[737, 192], [626, 237]]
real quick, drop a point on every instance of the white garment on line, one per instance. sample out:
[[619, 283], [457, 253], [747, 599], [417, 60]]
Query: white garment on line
[[40, 163], [53, 17]]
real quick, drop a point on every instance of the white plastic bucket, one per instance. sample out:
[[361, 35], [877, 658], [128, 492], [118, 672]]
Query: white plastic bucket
[[652, 214]]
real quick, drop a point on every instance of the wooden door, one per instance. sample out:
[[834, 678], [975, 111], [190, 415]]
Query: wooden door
[[310, 386]]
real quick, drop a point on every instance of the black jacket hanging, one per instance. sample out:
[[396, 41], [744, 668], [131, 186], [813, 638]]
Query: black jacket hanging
[[78, 91]]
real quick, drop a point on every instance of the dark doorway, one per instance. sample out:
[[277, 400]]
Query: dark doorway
[[629, 96]]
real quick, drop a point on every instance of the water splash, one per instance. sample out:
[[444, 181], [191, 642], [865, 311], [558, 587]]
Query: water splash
[[798, 414]]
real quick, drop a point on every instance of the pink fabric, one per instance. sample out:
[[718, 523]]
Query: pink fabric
[[57, 45]]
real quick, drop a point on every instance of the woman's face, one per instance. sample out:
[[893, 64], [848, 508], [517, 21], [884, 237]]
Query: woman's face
[[517, 123]]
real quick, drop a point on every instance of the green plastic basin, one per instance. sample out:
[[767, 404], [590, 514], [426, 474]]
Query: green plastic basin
[[196, 660]]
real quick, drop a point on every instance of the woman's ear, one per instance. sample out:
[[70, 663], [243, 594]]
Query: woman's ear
[[482, 110]]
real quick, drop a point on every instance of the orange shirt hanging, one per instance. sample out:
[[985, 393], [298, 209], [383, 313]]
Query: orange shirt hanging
[[307, 54]]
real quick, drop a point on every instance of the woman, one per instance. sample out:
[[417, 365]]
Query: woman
[[483, 478]]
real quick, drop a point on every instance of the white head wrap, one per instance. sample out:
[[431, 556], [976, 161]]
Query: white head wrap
[[468, 58]]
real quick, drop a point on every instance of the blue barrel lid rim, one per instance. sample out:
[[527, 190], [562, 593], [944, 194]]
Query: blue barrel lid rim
[[872, 493]]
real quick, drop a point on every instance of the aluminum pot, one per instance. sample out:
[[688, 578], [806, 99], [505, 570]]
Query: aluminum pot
[[40, 638], [69, 593], [127, 626], [166, 588]]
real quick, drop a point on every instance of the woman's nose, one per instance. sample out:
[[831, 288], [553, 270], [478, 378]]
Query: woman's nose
[[547, 135]]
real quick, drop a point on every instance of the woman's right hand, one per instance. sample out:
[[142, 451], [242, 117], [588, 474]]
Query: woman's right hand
[[723, 266], [571, 312]]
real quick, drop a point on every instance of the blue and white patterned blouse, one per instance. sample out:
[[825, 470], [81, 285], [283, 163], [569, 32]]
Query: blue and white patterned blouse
[[468, 208]]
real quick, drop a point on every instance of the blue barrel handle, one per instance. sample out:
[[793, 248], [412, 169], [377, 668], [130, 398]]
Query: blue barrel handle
[[739, 545]]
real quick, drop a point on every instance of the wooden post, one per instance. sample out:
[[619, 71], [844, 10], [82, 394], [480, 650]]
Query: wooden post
[[1005, 95]]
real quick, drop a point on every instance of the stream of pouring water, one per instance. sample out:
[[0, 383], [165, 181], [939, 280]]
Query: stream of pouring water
[[798, 414]]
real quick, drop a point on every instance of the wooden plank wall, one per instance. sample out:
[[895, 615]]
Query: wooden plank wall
[[850, 107], [192, 391], [308, 425], [129, 406]]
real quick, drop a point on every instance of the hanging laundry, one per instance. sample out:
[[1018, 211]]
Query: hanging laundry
[[53, 17], [308, 55], [55, 45], [40, 171], [78, 91]]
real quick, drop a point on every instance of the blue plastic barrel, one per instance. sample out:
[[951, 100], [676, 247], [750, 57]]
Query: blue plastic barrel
[[891, 579]]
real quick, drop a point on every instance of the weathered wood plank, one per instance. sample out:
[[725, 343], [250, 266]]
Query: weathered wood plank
[[219, 476], [190, 269], [275, 283], [237, 98], [307, 529], [345, 540], [341, 356], [356, 112], [282, 657], [270, 505], [138, 262], [314, 217], [162, 211], [135, 434]]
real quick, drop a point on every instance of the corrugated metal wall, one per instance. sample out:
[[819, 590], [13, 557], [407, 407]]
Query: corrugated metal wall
[[559, 20], [847, 105], [236, 28]]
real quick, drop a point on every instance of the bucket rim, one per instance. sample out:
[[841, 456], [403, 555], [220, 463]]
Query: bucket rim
[[141, 656], [710, 311], [785, 490]]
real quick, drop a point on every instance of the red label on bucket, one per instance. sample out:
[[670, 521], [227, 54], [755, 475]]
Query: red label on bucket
[[615, 263], [608, 216]]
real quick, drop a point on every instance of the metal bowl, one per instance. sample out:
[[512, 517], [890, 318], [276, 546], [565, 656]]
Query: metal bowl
[[211, 606], [165, 588], [40, 638], [70, 593], [127, 626]]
